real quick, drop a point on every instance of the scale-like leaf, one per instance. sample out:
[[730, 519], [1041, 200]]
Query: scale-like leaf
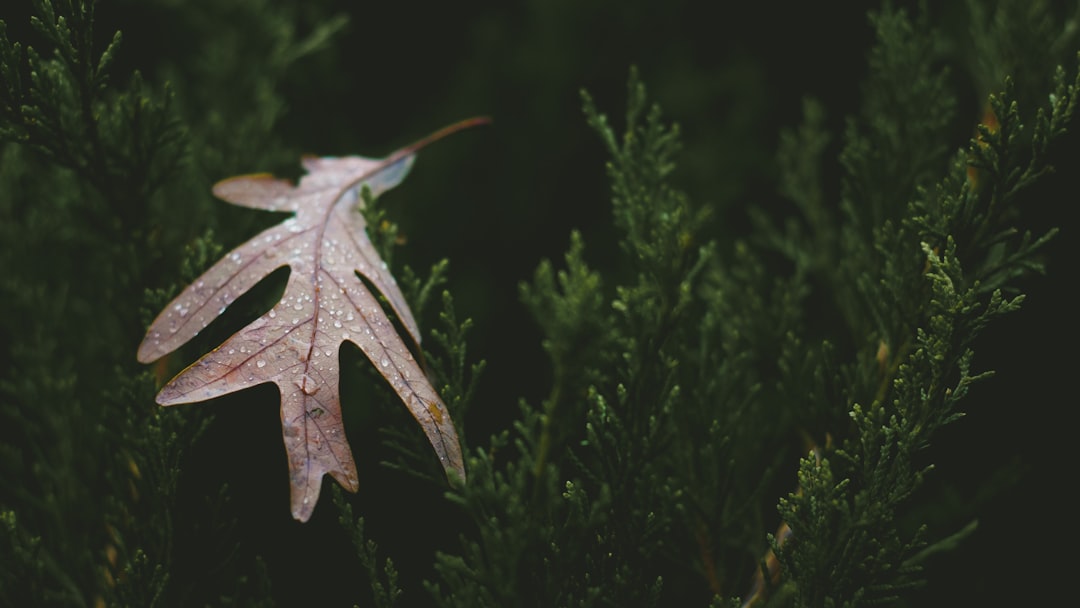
[[295, 344]]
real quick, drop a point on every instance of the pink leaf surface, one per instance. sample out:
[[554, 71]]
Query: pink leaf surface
[[295, 344]]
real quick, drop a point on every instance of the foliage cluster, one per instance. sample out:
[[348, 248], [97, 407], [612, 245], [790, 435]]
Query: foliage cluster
[[704, 392]]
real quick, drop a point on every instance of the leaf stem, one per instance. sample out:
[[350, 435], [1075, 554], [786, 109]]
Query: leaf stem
[[416, 146]]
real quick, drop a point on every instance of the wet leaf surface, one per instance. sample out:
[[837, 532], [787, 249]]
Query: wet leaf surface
[[295, 344]]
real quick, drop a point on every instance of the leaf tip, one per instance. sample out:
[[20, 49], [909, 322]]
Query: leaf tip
[[304, 498], [256, 190], [455, 473], [144, 355], [451, 459], [302, 513], [165, 396]]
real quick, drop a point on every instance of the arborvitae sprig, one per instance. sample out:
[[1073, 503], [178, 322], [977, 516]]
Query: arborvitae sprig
[[569, 306], [846, 546], [881, 147], [1019, 41], [24, 570], [811, 244], [385, 593], [92, 168], [126, 143], [449, 368], [659, 237], [581, 514]]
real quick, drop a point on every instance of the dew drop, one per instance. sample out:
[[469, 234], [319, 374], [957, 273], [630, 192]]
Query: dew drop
[[298, 306], [337, 324], [385, 362], [271, 314], [260, 363], [344, 335], [349, 317]]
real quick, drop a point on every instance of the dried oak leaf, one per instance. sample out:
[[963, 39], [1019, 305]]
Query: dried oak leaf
[[295, 344]]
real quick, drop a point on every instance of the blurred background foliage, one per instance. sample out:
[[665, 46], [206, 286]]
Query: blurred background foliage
[[250, 85]]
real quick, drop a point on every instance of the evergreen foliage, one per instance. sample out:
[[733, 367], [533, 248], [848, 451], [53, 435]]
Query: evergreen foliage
[[93, 166], [704, 391]]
